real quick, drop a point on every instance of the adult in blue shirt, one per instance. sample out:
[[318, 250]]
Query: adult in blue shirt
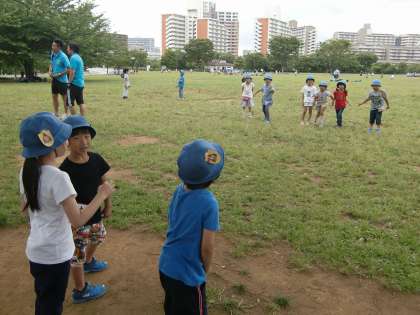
[[59, 67], [76, 78]]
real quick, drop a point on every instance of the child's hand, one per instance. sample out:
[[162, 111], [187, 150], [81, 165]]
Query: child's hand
[[105, 190], [106, 213]]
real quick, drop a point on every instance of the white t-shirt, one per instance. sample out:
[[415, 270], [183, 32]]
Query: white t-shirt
[[126, 80], [50, 239], [309, 94], [248, 90]]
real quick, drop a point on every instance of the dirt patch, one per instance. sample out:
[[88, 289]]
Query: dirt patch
[[316, 179], [417, 168], [134, 140], [246, 285], [371, 174], [126, 175]]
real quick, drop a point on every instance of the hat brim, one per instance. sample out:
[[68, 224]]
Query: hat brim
[[39, 150], [90, 128]]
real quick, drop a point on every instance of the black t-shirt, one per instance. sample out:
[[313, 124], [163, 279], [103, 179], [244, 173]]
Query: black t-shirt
[[86, 178]]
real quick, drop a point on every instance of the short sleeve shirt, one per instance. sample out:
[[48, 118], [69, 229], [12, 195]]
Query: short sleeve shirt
[[267, 94], [377, 99], [181, 82], [76, 64], [60, 63], [86, 179], [248, 89], [189, 213], [50, 239], [322, 97], [309, 94], [340, 98]]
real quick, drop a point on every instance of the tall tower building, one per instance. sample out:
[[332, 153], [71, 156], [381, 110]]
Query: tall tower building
[[231, 21]]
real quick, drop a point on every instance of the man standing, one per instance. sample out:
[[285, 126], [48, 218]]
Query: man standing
[[76, 78], [59, 67]]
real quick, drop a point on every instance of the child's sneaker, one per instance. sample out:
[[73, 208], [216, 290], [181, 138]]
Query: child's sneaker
[[95, 266], [369, 130], [302, 123], [378, 131], [89, 293]]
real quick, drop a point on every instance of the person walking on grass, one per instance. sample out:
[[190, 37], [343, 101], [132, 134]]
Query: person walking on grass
[[378, 99], [308, 99], [181, 84], [58, 70], [321, 103], [340, 101], [267, 91], [76, 79], [247, 99], [193, 220], [49, 200], [126, 83], [87, 171]]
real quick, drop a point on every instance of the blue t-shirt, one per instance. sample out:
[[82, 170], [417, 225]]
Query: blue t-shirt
[[60, 63], [267, 95], [76, 63], [181, 82], [189, 213]]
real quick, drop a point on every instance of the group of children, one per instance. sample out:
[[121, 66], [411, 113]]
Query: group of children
[[67, 205], [318, 98]]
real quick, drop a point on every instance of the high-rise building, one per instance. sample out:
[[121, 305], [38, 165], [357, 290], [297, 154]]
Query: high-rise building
[[387, 47], [135, 43], [201, 21], [267, 28]]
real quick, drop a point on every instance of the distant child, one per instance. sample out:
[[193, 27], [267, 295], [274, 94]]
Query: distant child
[[193, 220], [126, 84], [267, 96], [87, 172], [340, 101], [181, 84], [321, 100], [308, 98], [378, 98], [247, 99], [48, 197]]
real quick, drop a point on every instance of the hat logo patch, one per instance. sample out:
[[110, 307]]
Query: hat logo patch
[[212, 157], [46, 138]]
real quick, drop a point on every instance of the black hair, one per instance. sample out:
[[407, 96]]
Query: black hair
[[199, 186], [30, 177], [80, 130], [74, 47], [59, 42], [125, 70]]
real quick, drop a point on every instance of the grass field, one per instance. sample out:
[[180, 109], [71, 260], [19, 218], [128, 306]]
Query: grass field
[[341, 198]]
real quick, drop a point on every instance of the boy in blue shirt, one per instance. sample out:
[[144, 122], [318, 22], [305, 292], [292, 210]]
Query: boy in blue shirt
[[181, 84], [267, 96], [59, 67], [76, 79], [193, 220]]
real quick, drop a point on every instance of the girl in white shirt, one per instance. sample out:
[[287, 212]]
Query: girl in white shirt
[[126, 85], [308, 99], [48, 197], [247, 99]]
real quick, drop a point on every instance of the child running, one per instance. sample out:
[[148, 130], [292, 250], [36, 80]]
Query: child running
[[378, 98], [49, 199], [340, 101], [321, 100], [126, 84], [87, 172], [267, 96], [193, 220], [181, 84], [247, 100], [308, 98]]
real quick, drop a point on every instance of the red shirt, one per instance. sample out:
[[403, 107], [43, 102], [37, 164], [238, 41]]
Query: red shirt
[[340, 99]]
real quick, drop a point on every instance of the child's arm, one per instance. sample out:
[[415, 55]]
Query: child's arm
[[258, 91], [386, 100], [332, 99], [207, 248], [303, 100], [364, 102], [107, 203]]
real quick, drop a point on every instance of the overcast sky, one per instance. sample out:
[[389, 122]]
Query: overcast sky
[[143, 18]]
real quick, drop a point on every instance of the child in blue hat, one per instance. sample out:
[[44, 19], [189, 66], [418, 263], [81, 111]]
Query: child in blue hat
[[193, 220], [49, 199], [267, 91], [321, 103], [378, 99], [181, 84], [87, 171], [308, 92]]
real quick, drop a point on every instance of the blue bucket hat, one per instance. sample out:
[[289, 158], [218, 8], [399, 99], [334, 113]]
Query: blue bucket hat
[[323, 83], [200, 162], [77, 121], [268, 76], [310, 77], [41, 134], [342, 82], [376, 83], [247, 76]]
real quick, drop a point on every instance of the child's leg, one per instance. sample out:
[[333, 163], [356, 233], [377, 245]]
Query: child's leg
[[310, 114], [81, 239], [378, 122], [97, 237], [305, 109], [339, 114], [78, 275], [372, 119], [267, 113]]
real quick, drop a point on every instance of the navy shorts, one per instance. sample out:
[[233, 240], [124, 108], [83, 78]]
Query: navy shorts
[[375, 117], [58, 87], [76, 94]]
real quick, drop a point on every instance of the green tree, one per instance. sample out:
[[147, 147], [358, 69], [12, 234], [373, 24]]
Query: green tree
[[174, 59], [239, 62], [199, 52], [366, 60], [138, 58], [228, 57], [334, 54], [255, 62], [283, 51]]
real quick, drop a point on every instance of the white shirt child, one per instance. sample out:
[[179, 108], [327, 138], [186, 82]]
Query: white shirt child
[[50, 239], [248, 90], [309, 93]]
